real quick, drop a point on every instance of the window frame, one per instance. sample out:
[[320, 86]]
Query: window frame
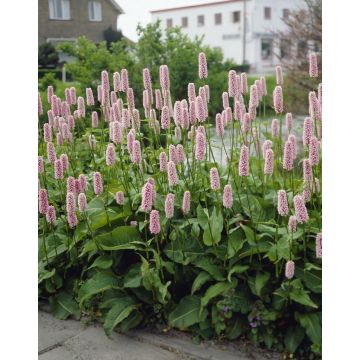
[[267, 16], [215, 18], [199, 24], [54, 9], [271, 47], [93, 3], [169, 23], [233, 17], [185, 22], [285, 13]]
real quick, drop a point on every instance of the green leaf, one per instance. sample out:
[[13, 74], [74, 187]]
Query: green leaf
[[119, 311], [199, 281], [237, 269], [236, 330], [202, 216], [102, 262], [301, 296], [260, 281], [44, 274], [133, 278], [121, 238], [216, 290], [311, 322], [293, 338], [250, 234], [235, 243], [186, 313], [213, 269], [63, 305], [100, 282], [133, 320]]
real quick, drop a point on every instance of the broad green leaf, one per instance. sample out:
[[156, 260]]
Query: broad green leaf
[[250, 234], [199, 281], [234, 331], [202, 216], [44, 274], [121, 238], [216, 290], [293, 338], [133, 278], [119, 311], [235, 242], [260, 281], [213, 269], [100, 282], [102, 262], [237, 269], [311, 322], [301, 296], [133, 320], [63, 305], [186, 313]]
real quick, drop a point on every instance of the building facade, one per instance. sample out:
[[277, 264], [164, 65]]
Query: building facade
[[61, 20], [245, 30]]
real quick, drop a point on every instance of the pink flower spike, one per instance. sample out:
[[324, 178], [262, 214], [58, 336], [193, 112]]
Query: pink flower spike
[[94, 119], [130, 99], [244, 83], [288, 158], [154, 226], [214, 179], [288, 121], [172, 174], [269, 162], [147, 79], [263, 85], [186, 203], [318, 245], [279, 75], [162, 161], [119, 197], [58, 170], [200, 148], [136, 152], [307, 131], [51, 154], [50, 93], [116, 81], [200, 109], [51, 215], [147, 197], [130, 140], [116, 132], [83, 183], [164, 78], [82, 202], [43, 201], [314, 151], [64, 161], [283, 208], [300, 209], [124, 80], [289, 269], [98, 183], [238, 114], [158, 99], [278, 100], [169, 205], [232, 84], [307, 171], [292, 223], [47, 132], [227, 196], [313, 66], [89, 97], [40, 106], [244, 161], [219, 125], [245, 127], [70, 184], [173, 154], [292, 139], [266, 145], [40, 164], [203, 72], [72, 219], [225, 100], [70, 202], [110, 155], [180, 154], [99, 93]]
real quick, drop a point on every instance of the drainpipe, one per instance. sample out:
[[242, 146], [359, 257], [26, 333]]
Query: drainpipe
[[244, 35]]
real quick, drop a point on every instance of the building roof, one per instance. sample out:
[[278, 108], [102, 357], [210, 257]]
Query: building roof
[[116, 6], [194, 6]]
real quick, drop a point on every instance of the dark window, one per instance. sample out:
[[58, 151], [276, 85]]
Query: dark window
[[169, 23], [201, 20], [236, 16], [184, 22], [285, 48], [267, 13], [266, 49], [218, 19], [286, 13]]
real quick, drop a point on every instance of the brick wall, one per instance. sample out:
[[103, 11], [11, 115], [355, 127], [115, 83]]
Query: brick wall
[[79, 23]]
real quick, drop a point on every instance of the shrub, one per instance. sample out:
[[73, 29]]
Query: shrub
[[47, 55], [165, 242]]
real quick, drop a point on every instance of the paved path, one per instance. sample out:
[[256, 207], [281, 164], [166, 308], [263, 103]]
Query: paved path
[[73, 340]]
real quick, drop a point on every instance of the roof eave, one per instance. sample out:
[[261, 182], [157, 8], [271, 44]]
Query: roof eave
[[117, 7]]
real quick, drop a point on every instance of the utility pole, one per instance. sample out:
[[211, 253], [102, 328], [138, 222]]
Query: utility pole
[[244, 34]]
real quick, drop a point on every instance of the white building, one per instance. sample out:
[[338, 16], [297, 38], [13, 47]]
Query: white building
[[224, 23]]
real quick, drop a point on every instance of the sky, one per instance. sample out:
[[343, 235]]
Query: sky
[[138, 11]]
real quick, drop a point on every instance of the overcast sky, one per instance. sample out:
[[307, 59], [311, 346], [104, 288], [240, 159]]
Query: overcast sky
[[138, 11]]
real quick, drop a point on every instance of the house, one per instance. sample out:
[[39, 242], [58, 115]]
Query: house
[[65, 20], [245, 30]]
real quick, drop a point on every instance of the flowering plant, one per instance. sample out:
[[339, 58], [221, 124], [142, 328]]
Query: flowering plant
[[151, 215]]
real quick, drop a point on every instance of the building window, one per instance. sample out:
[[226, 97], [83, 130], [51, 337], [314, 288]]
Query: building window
[[95, 11], [218, 19], [59, 9], [201, 20], [169, 23], [286, 13], [184, 22], [266, 49], [236, 16], [267, 13], [285, 48]]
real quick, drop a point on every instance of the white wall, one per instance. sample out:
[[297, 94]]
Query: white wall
[[218, 35]]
